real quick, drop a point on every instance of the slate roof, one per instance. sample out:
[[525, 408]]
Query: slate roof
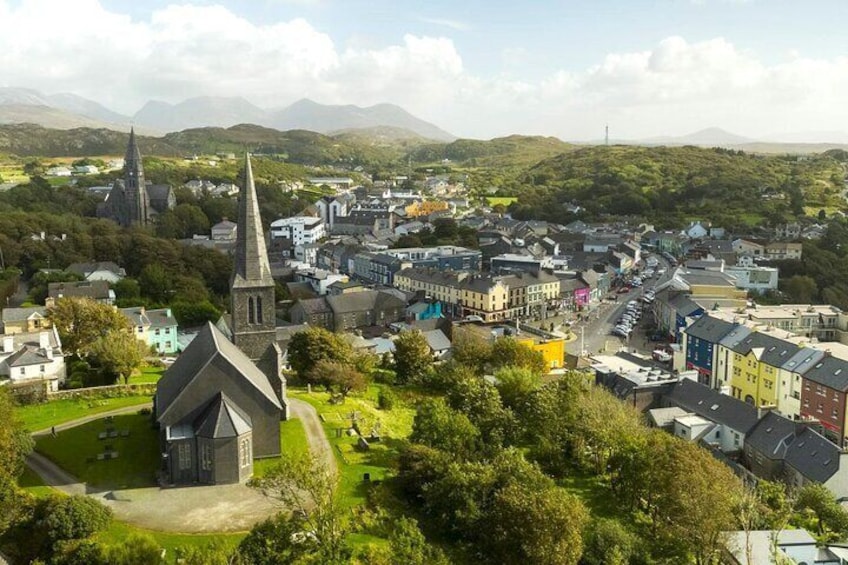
[[222, 419], [813, 456], [361, 301], [90, 289], [27, 355], [831, 372], [735, 336], [84, 269], [479, 283], [161, 318], [21, 314], [437, 340], [772, 435], [683, 305], [315, 305], [136, 316], [713, 405], [209, 344], [709, 329], [770, 350], [805, 358]]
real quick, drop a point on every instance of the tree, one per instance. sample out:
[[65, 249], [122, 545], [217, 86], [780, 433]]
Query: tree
[[156, 283], [471, 350], [136, 549], [409, 546], [481, 402], [82, 321], [608, 542], [437, 425], [271, 541], [118, 353], [516, 385], [817, 499], [541, 526], [308, 347], [507, 352], [74, 517], [413, 359], [802, 289], [15, 445], [308, 488], [215, 552], [338, 377]]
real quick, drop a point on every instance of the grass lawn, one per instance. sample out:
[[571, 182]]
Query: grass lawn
[[292, 441], [119, 531], [502, 200], [31, 482], [76, 451], [42, 416], [597, 497], [147, 374], [394, 425]]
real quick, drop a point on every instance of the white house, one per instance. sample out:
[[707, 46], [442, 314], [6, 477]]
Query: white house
[[225, 230], [332, 207], [33, 356], [751, 277], [100, 271], [300, 230], [697, 230]]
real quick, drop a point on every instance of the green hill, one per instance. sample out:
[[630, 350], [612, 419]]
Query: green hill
[[670, 184], [514, 150], [27, 140]]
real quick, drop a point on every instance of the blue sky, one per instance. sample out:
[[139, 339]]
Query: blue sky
[[761, 68]]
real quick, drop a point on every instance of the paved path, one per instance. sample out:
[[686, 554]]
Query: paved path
[[315, 436], [197, 509]]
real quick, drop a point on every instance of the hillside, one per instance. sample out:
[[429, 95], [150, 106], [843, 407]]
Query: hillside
[[32, 140], [514, 150], [672, 184]]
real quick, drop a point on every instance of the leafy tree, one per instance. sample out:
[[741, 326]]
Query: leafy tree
[[213, 553], [136, 549], [507, 352], [338, 377], [409, 546], [802, 289], [15, 445], [481, 402], [74, 517], [156, 283], [189, 314], [817, 499], [79, 552], [82, 321], [437, 425], [471, 350], [420, 465], [306, 486], [270, 541], [119, 353], [516, 385], [308, 347], [412, 356], [608, 542]]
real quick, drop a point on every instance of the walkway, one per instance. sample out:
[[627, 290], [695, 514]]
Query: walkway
[[197, 509]]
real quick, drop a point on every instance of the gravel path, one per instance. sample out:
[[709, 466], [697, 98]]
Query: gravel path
[[196, 509]]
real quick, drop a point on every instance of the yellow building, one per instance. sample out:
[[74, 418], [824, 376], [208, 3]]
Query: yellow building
[[425, 208], [756, 370], [25, 320], [552, 349], [484, 296]]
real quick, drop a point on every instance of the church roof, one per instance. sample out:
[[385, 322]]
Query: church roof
[[133, 157], [251, 258], [209, 346], [222, 419]]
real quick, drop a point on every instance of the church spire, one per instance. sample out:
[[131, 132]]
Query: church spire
[[137, 201], [132, 161], [251, 257]]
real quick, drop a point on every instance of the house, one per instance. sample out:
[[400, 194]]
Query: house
[[733, 418], [98, 291], [28, 357], [100, 271], [24, 320], [698, 230], [216, 412], [793, 547], [781, 250], [823, 396], [345, 312], [162, 334], [633, 380], [438, 343], [301, 230], [700, 343], [757, 359], [749, 248], [510, 262], [225, 230], [424, 310]]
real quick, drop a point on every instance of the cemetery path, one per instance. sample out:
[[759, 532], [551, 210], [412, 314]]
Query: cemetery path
[[86, 419], [319, 446], [196, 509]]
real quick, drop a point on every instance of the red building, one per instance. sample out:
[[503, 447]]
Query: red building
[[823, 397]]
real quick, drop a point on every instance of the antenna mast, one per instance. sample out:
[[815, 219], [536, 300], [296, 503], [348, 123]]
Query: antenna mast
[[606, 135]]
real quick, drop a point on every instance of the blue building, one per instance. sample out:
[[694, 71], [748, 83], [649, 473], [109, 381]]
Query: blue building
[[701, 341], [424, 310]]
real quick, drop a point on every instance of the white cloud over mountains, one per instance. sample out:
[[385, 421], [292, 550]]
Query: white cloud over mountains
[[183, 51]]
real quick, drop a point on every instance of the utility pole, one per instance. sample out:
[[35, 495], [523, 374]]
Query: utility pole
[[582, 343], [606, 135]]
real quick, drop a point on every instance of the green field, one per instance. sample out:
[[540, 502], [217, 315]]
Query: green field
[[119, 531], [38, 417], [147, 374], [292, 443], [502, 200], [76, 451], [379, 461]]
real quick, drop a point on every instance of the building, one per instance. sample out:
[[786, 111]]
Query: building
[[425, 208], [757, 359], [445, 257], [157, 328], [332, 207], [100, 271], [509, 262], [219, 405], [792, 547], [24, 320], [345, 312], [753, 278], [319, 280], [133, 201], [32, 357], [700, 343], [633, 380], [337, 183], [781, 250], [533, 295], [225, 230], [300, 230], [823, 396], [98, 291]]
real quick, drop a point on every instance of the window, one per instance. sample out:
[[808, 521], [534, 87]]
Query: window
[[184, 456], [205, 457], [820, 408], [157, 331], [245, 452], [41, 368], [251, 318], [23, 370], [258, 309]]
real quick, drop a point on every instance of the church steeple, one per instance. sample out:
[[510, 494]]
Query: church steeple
[[251, 255], [252, 305], [135, 188]]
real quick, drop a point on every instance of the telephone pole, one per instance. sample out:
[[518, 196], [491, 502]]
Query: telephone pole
[[606, 135]]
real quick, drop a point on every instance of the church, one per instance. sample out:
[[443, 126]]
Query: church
[[134, 201], [220, 404]]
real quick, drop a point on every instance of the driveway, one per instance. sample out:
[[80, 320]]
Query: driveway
[[196, 509]]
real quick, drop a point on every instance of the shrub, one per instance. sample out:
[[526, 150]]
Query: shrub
[[386, 399], [384, 376]]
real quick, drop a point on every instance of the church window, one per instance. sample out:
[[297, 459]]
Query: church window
[[206, 457], [251, 315], [245, 452], [258, 309], [184, 456]]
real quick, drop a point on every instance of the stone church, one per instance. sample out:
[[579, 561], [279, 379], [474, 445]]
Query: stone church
[[134, 201], [220, 404]]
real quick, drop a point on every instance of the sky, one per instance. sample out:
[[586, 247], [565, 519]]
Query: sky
[[767, 69]]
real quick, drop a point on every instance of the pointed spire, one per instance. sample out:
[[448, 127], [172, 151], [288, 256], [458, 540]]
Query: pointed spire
[[132, 161], [251, 260]]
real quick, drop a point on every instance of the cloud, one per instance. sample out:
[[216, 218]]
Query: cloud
[[443, 22], [181, 51]]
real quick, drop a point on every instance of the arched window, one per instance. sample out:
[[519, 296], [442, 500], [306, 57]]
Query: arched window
[[258, 309], [251, 314]]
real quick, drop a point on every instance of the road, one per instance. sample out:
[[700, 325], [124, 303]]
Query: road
[[319, 446]]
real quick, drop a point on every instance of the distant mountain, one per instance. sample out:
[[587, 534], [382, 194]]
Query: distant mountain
[[33, 140], [306, 114], [711, 137], [204, 111], [85, 107], [513, 150]]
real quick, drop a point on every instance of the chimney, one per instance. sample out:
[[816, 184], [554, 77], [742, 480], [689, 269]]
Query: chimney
[[8, 344], [44, 340]]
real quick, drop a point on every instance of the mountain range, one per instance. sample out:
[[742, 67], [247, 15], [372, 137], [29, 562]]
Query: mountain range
[[65, 111]]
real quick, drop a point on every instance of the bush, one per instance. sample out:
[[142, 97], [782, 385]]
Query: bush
[[386, 399], [384, 376]]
